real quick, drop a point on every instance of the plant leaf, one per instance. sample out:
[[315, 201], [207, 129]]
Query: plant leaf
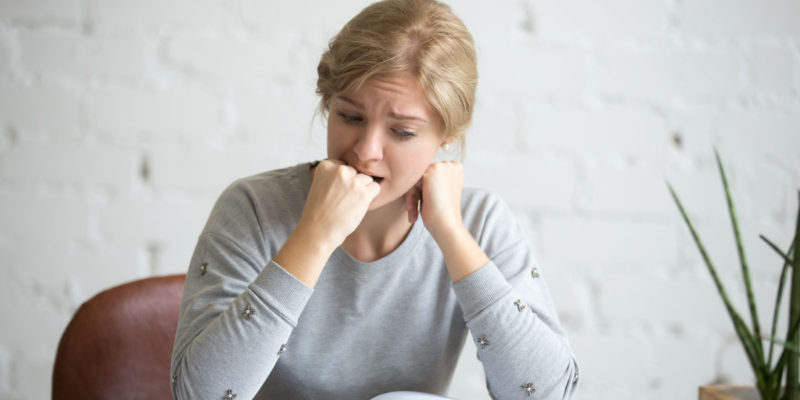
[[783, 255], [781, 284], [740, 250], [749, 343]]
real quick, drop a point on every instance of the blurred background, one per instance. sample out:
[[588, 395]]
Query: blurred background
[[121, 121]]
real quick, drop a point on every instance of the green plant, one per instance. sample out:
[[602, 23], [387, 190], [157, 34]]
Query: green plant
[[769, 376]]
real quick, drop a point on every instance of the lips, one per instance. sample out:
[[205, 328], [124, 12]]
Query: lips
[[375, 177]]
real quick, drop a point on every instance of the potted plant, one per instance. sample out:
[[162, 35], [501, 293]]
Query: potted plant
[[776, 379]]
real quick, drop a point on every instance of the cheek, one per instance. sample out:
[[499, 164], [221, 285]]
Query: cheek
[[336, 142], [414, 164]]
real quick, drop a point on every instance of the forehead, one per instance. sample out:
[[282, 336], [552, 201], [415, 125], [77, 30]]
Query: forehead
[[399, 87]]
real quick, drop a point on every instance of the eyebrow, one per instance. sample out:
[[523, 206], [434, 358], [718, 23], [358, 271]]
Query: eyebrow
[[391, 114]]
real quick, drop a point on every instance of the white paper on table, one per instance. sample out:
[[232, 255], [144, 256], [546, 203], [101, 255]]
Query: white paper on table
[[408, 396]]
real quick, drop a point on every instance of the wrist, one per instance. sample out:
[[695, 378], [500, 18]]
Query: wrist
[[317, 240], [304, 257], [462, 254]]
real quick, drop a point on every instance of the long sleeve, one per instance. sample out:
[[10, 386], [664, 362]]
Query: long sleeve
[[238, 308], [509, 311]]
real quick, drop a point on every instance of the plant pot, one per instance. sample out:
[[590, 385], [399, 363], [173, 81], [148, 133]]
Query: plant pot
[[728, 392]]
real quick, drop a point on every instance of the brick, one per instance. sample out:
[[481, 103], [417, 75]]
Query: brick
[[174, 257], [73, 55], [740, 18], [33, 363], [85, 165], [491, 26], [769, 136], [696, 130], [40, 319], [606, 20], [773, 70], [572, 296], [496, 128], [668, 76], [22, 108], [624, 191], [682, 362], [669, 302], [213, 170], [766, 192], [533, 70], [687, 303], [139, 222], [603, 357], [245, 62], [177, 114], [6, 51], [40, 218], [157, 15], [74, 275], [538, 184], [733, 365], [42, 10], [276, 117], [764, 265], [283, 17], [614, 244], [699, 188], [611, 132]]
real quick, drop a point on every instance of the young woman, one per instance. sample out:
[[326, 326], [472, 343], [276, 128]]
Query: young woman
[[361, 274]]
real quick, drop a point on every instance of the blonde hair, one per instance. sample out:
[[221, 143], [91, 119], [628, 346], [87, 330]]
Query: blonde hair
[[422, 37]]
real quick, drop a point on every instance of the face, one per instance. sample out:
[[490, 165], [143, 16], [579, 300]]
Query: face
[[387, 130]]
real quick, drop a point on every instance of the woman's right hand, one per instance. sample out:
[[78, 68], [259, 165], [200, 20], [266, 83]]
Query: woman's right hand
[[337, 202]]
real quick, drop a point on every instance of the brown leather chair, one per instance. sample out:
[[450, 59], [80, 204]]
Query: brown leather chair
[[119, 343]]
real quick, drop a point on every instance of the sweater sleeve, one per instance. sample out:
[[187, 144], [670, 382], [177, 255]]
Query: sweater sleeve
[[238, 309], [508, 310]]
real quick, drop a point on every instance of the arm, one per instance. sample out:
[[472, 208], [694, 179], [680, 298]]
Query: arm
[[235, 318], [506, 305], [516, 329], [239, 307]]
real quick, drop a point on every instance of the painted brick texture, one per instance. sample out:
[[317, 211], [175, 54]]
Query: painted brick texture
[[121, 121]]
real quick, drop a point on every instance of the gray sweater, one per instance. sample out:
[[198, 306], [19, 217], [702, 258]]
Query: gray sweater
[[249, 328]]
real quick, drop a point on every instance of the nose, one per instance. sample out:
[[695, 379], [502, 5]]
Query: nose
[[369, 145]]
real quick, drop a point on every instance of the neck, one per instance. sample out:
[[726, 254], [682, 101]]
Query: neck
[[380, 232]]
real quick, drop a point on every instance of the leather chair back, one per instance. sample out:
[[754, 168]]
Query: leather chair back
[[118, 344]]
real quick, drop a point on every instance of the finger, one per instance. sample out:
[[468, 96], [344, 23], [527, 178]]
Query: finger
[[373, 189], [363, 180]]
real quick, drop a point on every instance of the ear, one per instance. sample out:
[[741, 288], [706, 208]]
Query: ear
[[449, 140]]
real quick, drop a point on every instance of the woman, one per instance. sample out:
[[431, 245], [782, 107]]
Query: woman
[[361, 274]]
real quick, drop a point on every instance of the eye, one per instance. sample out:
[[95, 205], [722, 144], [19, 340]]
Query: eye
[[350, 118], [403, 134]]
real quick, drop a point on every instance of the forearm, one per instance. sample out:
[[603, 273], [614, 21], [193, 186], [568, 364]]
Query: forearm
[[304, 255], [233, 345], [462, 255], [517, 337]]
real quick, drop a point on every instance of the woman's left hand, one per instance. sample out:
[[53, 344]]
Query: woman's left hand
[[439, 196]]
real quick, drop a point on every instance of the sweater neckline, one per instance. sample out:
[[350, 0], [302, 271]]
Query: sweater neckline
[[341, 257]]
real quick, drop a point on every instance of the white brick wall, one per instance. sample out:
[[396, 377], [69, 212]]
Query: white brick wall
[[121, 121]]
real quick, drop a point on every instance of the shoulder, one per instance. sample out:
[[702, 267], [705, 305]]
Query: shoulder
[[265, 183], [260, 198], [488, 217], [480, 204]]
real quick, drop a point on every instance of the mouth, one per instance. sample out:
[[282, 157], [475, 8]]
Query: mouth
[[375, 178]]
